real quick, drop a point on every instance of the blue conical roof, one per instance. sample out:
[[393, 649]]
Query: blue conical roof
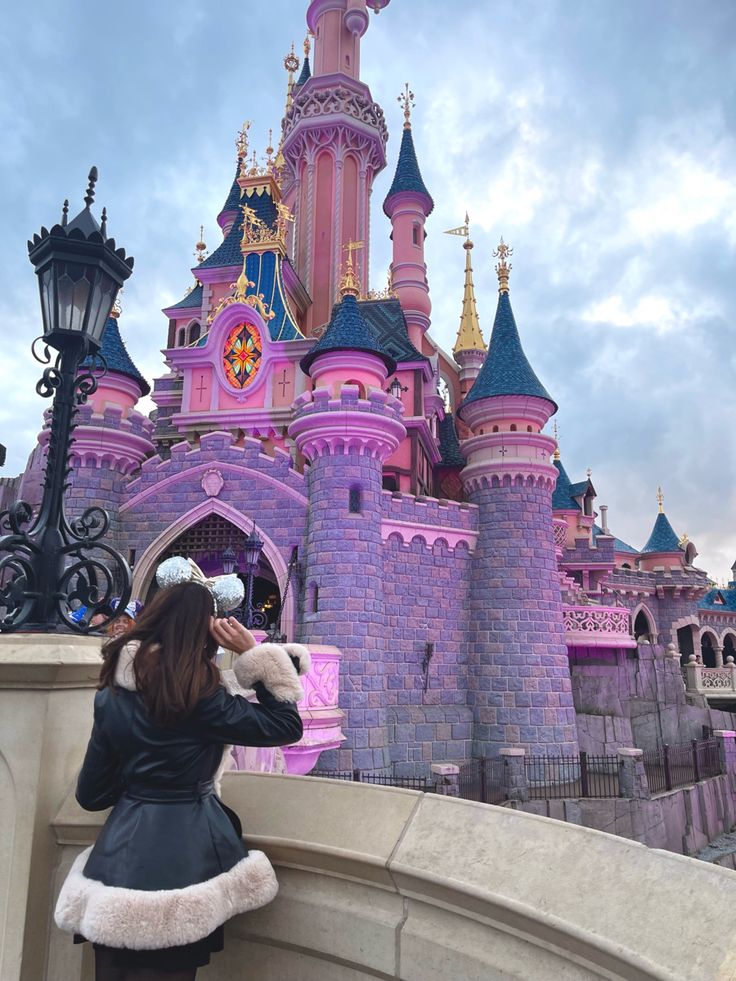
[[408, 177], [562, 499], [506, 370], [663, 537], [348, 331], [305, 74], [116, 356], [232, 202]]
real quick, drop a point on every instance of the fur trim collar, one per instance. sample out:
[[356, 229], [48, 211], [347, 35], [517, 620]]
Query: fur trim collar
[[124, 675], [271, 665], [140, 920]]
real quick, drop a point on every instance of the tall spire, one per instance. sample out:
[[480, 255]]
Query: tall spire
[[469, 335], [408, 177], [506, 370]]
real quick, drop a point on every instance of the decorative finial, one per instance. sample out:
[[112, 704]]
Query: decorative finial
[[117, 307], [406, 99], [269, 151], [65, 213], [556, 434], [660, 500], [684, 540], [200, 249], [349, 284], [291, 64], [242, 141], [307, 46], [463, 230], [502, 268], [588, 473], [90, 195], [103, 223]]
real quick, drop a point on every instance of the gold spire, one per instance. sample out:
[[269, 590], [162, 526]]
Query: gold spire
[[350, 284], [469, 335], [660, 500], [269, 151], [556, 434], [291, 64], [406, 99], [200, 249], [307, 46], [502, 268]]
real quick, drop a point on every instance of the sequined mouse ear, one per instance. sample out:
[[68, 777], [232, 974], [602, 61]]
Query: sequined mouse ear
[[173, 571], [228, 592]]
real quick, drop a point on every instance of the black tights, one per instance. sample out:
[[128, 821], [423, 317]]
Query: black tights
[[106, 970]]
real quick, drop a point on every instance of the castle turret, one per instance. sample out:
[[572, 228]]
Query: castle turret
[[664, 549], [408, 204], [470, 348], [346, 428], [520, 688], [334, 143]]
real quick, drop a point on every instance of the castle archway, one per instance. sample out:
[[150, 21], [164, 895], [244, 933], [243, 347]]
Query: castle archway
[[708, 644], [204, 533]]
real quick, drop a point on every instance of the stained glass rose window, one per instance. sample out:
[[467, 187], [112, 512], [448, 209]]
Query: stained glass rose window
[[241, 357]]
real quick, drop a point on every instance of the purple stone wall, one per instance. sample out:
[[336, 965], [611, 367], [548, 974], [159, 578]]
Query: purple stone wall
[[344, 569], [426, 597], [253, 486], [519, 682]]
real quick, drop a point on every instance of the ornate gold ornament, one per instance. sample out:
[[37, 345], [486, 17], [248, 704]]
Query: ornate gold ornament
[[502, 268]]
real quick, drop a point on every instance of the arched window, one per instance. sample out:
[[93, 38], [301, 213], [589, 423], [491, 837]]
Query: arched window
[[642, 627], [495, 429], [707, 649], [415, 234], [729, 648], [528, 429], [355, 500], [194, 333], [513, 427], [359, 385]]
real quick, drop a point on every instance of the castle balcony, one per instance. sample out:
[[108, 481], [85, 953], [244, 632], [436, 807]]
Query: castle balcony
[[560, 529], [598, 626]]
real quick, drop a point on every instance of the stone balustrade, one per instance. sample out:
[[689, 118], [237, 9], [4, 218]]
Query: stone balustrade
[[713, 683], [598, 626]]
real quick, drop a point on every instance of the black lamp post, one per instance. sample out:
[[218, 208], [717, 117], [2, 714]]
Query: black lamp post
[[252, 548], [54, 563]]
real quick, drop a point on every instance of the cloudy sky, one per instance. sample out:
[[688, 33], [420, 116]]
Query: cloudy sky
[[598, 136]]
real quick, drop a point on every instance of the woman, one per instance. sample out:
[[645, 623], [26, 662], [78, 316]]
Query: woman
[[169, 866]]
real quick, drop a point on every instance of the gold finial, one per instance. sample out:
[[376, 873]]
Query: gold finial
[[269, 151], [350, 284], [242, 141], [406, 99], [307, 46], [117, 307], [502, 268], [684, 540], [556, 434], [291, 64], [660, 500], [200, 249]]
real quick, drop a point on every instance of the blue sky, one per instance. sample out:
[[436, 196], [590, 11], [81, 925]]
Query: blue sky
[[598, 137]]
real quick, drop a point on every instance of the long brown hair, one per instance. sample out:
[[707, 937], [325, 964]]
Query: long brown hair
[[173, 666]]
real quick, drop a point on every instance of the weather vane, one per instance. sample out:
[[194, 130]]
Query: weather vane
[[406, 99], [502, 268]]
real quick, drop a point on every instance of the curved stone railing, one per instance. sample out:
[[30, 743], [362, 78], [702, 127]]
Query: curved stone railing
[[598, 626], [385, 883]]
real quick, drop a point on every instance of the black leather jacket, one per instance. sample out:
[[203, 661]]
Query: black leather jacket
[[168, 829]]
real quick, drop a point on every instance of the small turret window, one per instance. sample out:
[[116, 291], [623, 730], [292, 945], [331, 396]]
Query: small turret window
[[415, 232], [182, 337], [513, 427], [495, 429], [355, 500], [194, 333]]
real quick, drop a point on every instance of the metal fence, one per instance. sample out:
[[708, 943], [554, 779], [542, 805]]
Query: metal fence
[[558, 777], [381, 779], [669, 767], [483, 780]]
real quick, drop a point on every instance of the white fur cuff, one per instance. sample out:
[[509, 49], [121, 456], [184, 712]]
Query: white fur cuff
[[143, 920], [272, 666], [301, 653]]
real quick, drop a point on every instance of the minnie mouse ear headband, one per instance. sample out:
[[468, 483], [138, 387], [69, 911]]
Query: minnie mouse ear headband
[[227, 591]]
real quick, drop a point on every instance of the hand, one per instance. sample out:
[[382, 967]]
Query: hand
[[231, 634]]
